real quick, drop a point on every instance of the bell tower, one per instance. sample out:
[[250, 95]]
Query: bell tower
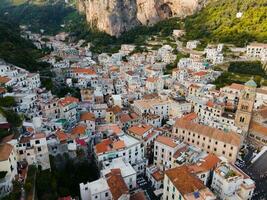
[[245, 106]]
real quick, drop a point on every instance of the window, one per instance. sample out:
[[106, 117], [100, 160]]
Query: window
[[39, 149], [37, 141], [223, 152], [106, 194]]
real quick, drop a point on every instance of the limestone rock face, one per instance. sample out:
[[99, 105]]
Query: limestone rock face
[[117, 16]]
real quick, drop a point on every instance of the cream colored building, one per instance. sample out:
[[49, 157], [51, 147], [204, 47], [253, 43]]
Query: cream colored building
[[164, 150], [180, 184], [210, 139], [8, 164]]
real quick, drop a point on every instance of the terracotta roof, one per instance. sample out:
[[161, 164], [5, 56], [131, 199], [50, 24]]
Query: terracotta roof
[[237, 86], [79, 130], [158, 175], [109, 145], [263, 113], [226, 137], [118, 144], [128, 117], [68, 100], [2, 90], [116, 184], [201, 73], [87, 116], [115, 109], [190, 116], [5, 151], [183, 180], [209, 163], [258, 128], [261, 91], [194, 86], [109, 127], [210, 104], [140, 129], [38, 136], [87, 71], [62, 137], [180, 151], [166, 141], [138, 196], [152, 80], [4, 79], [103, 146]]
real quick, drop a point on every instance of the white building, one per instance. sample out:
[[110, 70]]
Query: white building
[[192, 44], [121, 146], [229, 182], [257, 50], [98, 189], [127, 171]]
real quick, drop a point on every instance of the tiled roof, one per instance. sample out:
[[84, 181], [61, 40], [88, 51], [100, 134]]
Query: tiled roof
[[2, 90], [258, 128], [209, 163], [78, 130], [109, 145], [4, 79], [138, 196], [87, 71], [116, 184], [166, 141], [140, 129], [226, 137], [190, 116], [158, 175], [62, 136], [87, 116], [152, 80], [183, 180], [68, 100], [236, 86], [115, 109]]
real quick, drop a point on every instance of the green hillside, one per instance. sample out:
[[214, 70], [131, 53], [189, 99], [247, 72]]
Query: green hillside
[[17, 50], [218, 22], [38, 14]]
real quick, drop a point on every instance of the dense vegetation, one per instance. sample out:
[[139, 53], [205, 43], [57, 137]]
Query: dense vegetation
[[250, 68], [102, 42], [17, 50], [64, 180], [241, 72], [48, 17], [218, 22]]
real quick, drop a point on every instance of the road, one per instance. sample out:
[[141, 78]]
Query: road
[[258, 172], [146, 186]]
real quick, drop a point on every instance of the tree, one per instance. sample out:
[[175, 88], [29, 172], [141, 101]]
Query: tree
[[7, 102], [15, 193]]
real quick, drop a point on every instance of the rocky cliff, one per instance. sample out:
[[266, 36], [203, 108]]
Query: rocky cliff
[[118, 16]]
